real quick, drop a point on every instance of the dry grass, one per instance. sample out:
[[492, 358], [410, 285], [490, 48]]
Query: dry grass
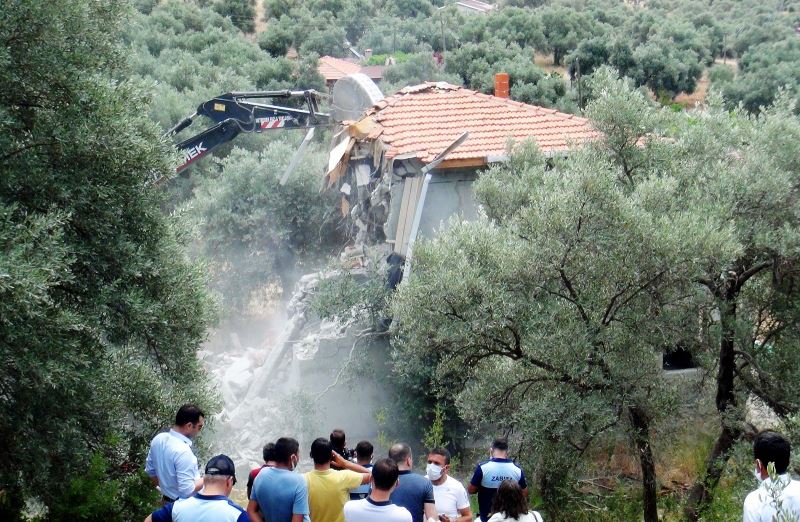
[[545, 61], [699, 94], [261, 23]]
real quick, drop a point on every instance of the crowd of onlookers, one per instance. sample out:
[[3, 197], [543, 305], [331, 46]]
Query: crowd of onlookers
[[351, 486]]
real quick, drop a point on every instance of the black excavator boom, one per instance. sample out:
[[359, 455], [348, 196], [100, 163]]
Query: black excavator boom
[[237, 112]]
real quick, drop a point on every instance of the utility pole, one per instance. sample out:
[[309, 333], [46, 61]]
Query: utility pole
[[578, 75], [444, 43]]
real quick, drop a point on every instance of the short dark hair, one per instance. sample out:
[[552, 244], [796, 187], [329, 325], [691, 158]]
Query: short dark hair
[[364, 450], [321, 451], [337, 439], [188, 413], [384, 474], [771, 446], [509, 500], [500, 443], [268, 452], [285, 447], [441, 451], [400, 452]]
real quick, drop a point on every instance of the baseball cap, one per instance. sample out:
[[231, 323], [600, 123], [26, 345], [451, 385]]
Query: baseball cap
[[221, 465]]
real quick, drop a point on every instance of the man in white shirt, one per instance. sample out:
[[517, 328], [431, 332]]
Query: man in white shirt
[[452, 501], [772, 497], [377, 505], [171, 465]]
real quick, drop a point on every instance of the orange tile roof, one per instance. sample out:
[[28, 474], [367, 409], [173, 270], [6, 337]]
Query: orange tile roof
[[426, 118], [335, 68]]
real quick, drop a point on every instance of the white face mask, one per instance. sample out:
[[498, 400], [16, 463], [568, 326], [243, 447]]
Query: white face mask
[[434, 471]]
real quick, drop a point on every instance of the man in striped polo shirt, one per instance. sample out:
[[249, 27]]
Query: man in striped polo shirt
[[210, 505]]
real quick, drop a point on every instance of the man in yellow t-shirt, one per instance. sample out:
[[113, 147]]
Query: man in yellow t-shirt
[[329, 489]]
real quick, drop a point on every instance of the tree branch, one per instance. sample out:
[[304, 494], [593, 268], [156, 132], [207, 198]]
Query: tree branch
[[750, 272]]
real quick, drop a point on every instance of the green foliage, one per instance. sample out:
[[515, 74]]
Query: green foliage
[[434, 435], [361, 294], [410, 8], [241, 12], [100, 493], [89, 496], [581, 272], [765, 69], [415, 69], [380, 59], [664, 45], [328, 41], [257, 232], [102, 312], [720, 74], [665, 68], [524, 332], [280, 36], [563, 29], [279, 8]]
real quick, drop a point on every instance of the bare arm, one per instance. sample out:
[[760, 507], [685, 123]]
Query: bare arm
[[255, 514], [346, 464], [472, 489], [464, 515], [296, 518], [525, 492], [149, 518], [430, 511]]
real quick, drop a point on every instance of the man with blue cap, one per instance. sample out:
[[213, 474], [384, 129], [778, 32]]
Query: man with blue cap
[[212, 503]]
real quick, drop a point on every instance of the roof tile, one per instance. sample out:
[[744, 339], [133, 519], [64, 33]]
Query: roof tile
[[332, 68], [426, 118]]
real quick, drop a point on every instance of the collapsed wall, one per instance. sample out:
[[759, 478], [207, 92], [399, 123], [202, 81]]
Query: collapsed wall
[[300, 385]]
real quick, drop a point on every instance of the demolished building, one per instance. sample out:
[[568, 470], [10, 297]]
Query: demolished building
[[377, 160]]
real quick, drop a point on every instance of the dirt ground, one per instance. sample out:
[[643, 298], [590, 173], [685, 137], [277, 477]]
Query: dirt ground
[[545, 61], [261, 23], [699, 94]]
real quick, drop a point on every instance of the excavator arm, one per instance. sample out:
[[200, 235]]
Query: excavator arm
[[237, 112]]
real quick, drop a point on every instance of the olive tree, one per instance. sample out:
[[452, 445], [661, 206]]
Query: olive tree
[[257, 232], [548, 315], [751, 173], [101, 312]]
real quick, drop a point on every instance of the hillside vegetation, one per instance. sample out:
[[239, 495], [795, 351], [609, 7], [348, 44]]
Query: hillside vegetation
[[108, 285]]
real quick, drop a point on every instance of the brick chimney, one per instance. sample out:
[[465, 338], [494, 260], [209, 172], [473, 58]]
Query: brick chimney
[[501, 85]]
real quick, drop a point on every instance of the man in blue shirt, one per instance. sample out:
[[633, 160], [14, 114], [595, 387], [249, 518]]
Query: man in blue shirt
[[213, 504], [414, 492], [279, 495], [490, 473], [170, 463], [364, 452]]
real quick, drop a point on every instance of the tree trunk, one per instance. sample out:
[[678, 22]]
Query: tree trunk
[[641, 437], [700, 494]]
